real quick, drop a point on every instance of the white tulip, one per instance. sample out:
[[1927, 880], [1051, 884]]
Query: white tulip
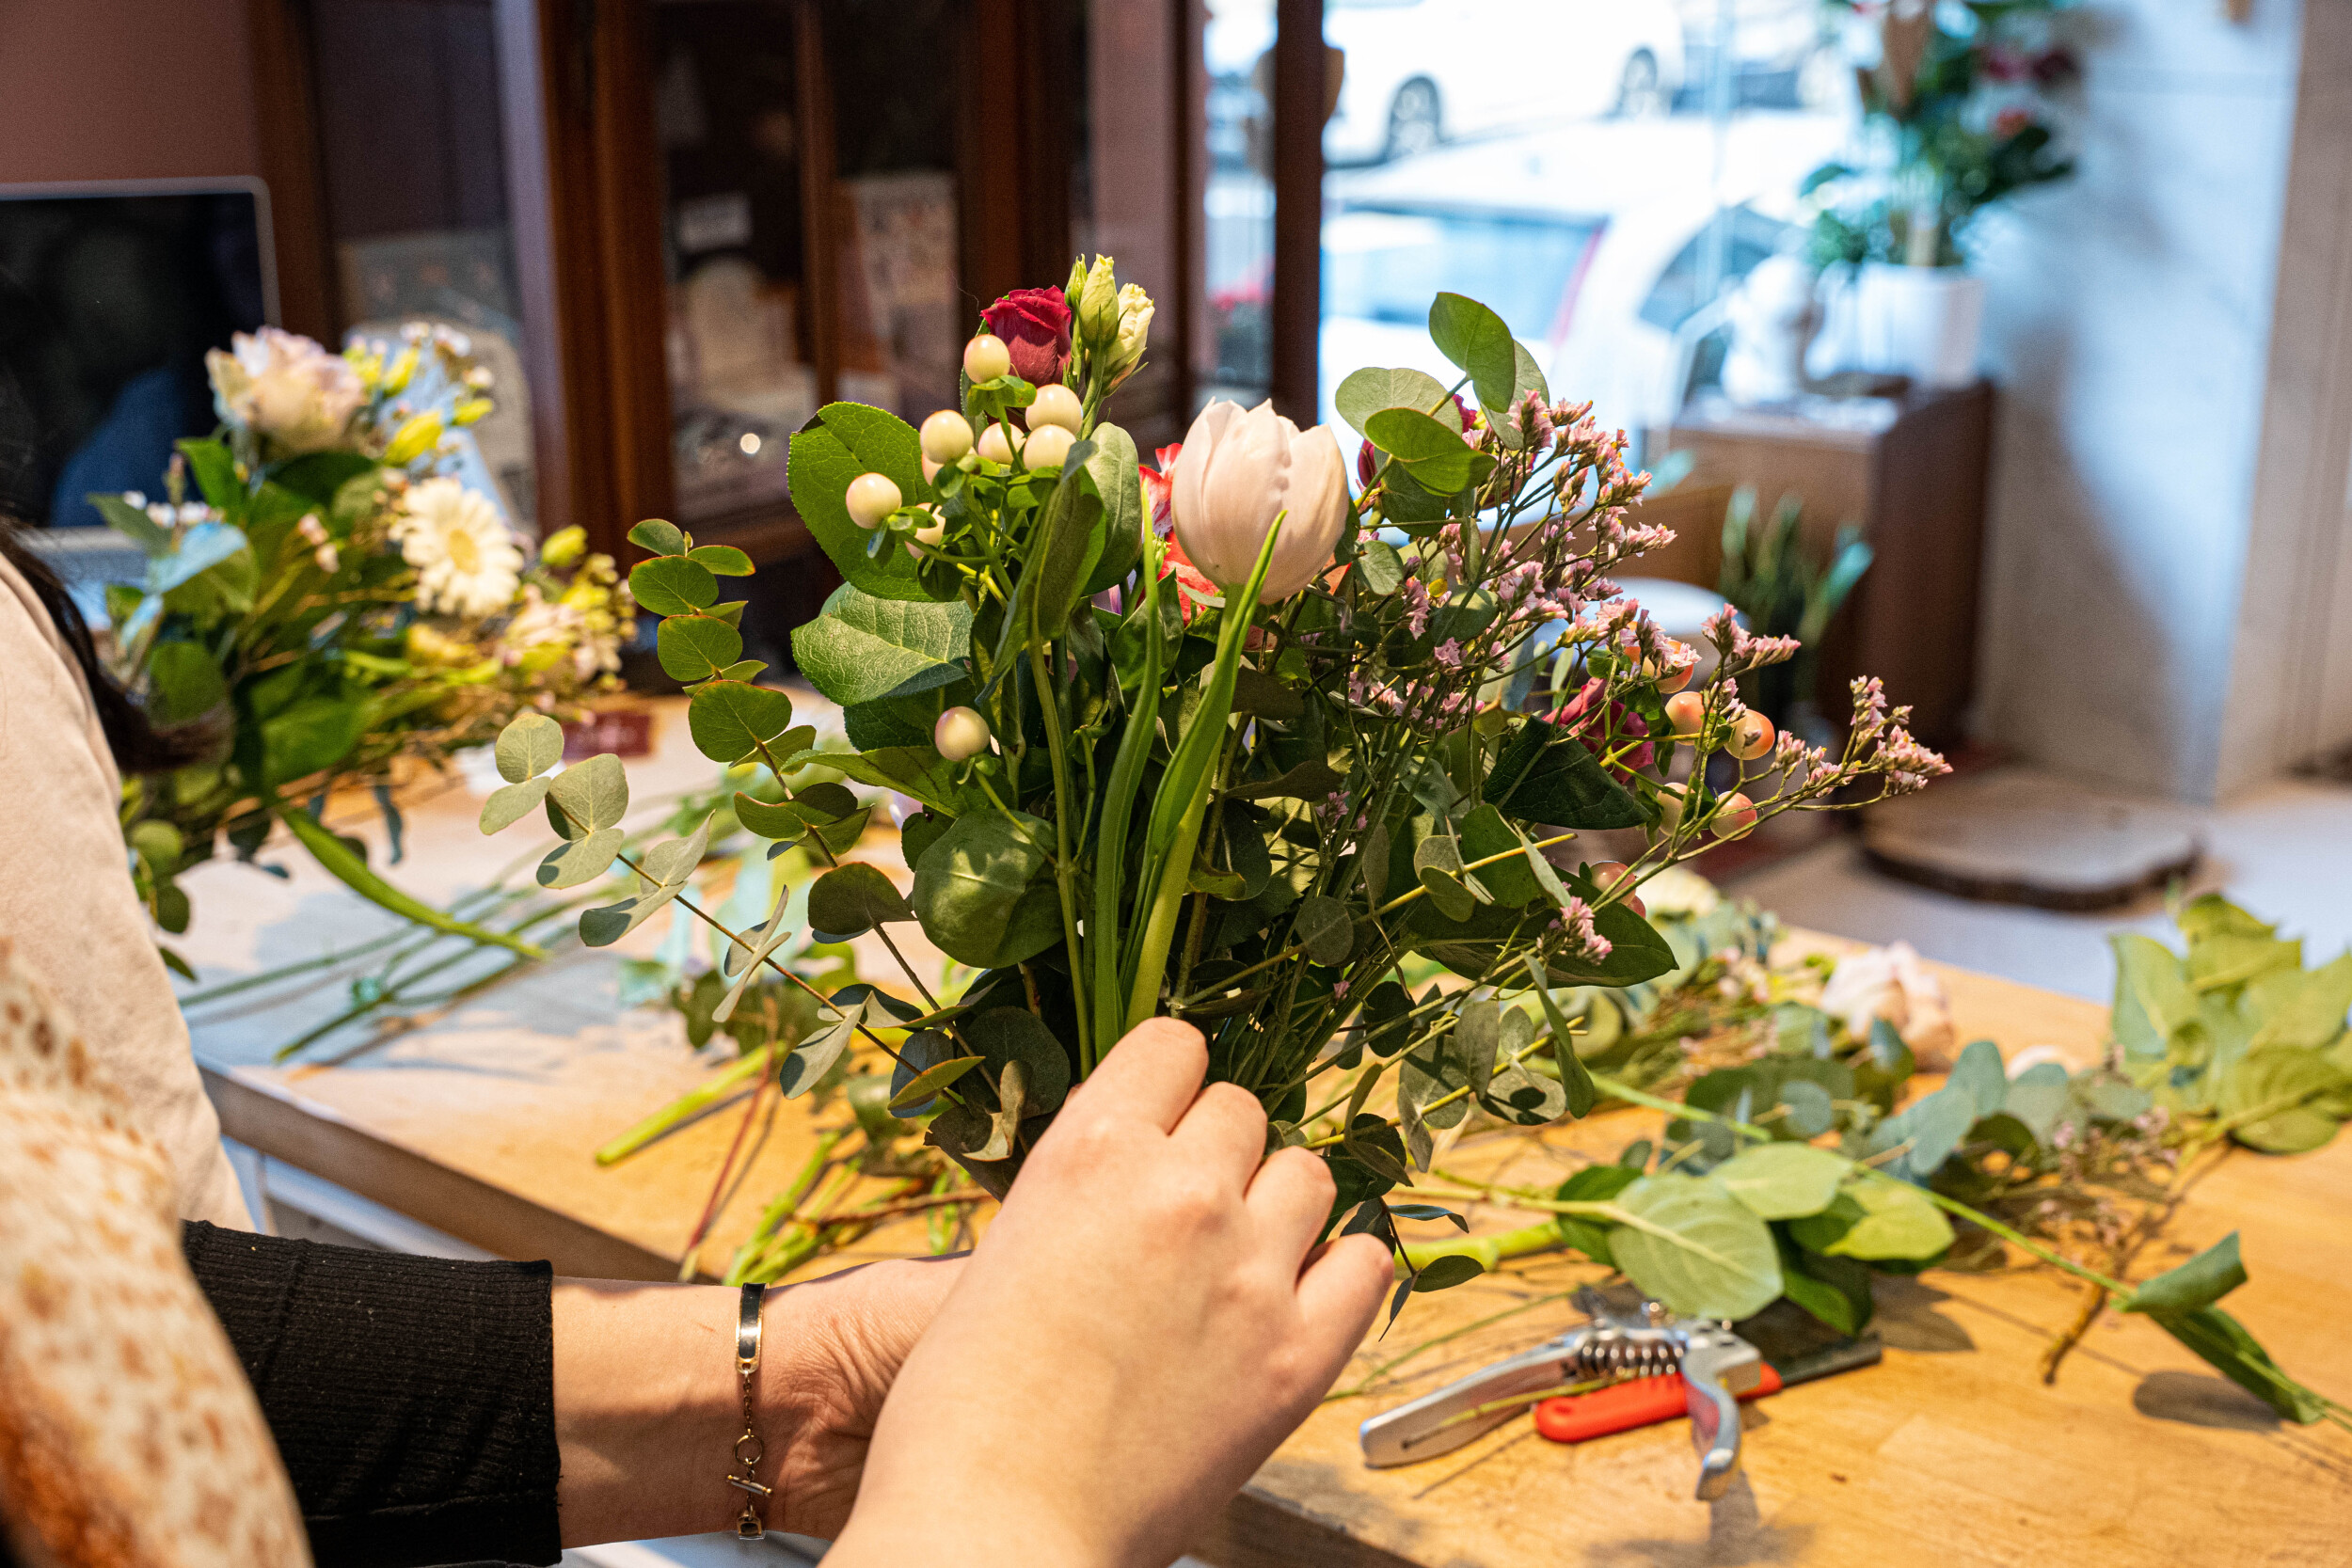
[[1239, 471]]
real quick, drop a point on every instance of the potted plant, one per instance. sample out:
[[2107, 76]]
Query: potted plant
[[1957, 118]]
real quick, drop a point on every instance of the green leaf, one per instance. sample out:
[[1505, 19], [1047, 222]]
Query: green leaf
[[722, 560], [1526, 375], [1326, 928], [663, 872], [1979, 1074], [529, 747], [978, 893], [660, 537], [2199, 1282], [1523, 1097], [808, 1062], [2038, 1097], [1593, 1184], [1439, 457], [313, 734], [215, 470], [1006, 1037], [183, 683], [847, 439], [1068, 543], [861, 648], [1576, 1079], [1486, 835], [1835, 1290], [510, 803], [1112, 468], [2224, 1343], [1475, 338], [917, 771], [730, 720], [2275, 1089], [1437, 864], [1784, 1180], [1688, 1242], [1934, 1127], [1876, 1217], [2152, 998], [697, 647], [923, 1087], [1544, 776], [582, 859], [1371, 389], [1311, 779], [672, 585], [1382, 568], [853, 898], [2304, 1010], [134, 524], [1446, 1271], [593, 795]]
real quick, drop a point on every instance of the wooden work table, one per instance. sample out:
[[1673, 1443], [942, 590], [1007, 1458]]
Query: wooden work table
[[480, 1123]]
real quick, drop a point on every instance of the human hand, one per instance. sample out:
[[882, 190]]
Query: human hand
[[647, 1407], [1141, 1324]]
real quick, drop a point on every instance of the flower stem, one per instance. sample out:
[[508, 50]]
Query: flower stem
[[1119, 809], [1065, 866]]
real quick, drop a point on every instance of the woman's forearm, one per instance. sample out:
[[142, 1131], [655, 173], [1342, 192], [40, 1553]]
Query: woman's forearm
[[647, 1407]]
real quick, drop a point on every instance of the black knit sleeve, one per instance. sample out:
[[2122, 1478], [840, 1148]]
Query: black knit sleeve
[[413, 1399]]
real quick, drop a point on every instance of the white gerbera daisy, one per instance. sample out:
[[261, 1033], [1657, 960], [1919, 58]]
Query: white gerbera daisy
[[466, 562]]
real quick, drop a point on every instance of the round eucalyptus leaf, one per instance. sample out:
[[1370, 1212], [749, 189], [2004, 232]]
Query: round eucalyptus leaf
[[1688, 1242]]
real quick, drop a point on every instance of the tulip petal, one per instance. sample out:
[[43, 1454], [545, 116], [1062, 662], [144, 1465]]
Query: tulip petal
[[1186, 502], [1316, 497]]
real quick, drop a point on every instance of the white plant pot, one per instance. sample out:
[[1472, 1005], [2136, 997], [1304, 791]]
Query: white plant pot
[[1926, 323], [1903, 321]]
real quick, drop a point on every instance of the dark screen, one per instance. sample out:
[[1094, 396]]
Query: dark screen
[[107, 304]]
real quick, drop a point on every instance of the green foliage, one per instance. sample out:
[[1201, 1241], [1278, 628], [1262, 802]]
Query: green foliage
[[845, 441], [863, 648]]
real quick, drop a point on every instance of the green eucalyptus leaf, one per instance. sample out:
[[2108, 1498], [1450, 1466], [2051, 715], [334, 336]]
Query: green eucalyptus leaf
[[591, 795], [1545, 776], [2199, 1282], [528, 747], [510, 803], [660, 537], [1381, 567], [1475, 338], [924, 1086], [580, 860], [1688, 1242], [1439, 458], [861, 648], [2275, 1099], [1593, 1184], [853, 898], [1010, 1036], [697, 648], [978, 892], [730, 720], [672, 585], [1876, 1218], [805, 1066], [722, 560], [1835, 1290], [663, 872], [1371, 389], [1784, 1180], [1980, 1076], [1446, 1271], [1326, 927]]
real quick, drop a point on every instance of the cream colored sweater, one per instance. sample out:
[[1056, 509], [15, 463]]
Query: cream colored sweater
[[67, 903]]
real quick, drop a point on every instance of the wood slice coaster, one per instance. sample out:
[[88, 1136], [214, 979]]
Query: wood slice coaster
[[2017, 837]]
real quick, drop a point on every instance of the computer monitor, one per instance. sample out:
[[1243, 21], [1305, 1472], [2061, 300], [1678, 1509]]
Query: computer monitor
[[109, 295]]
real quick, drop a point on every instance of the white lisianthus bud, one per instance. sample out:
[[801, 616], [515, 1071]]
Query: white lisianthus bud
[[1047, 446], [1098, 306], [1134, 330], [960, 732], [986, 358], [996, 446], [947, 436], [1056, 404], [1237, 473], [1075, 289], [872, 497]]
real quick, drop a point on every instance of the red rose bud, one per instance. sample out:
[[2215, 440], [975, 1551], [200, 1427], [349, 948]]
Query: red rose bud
[[1034, 324], [1367, 464]]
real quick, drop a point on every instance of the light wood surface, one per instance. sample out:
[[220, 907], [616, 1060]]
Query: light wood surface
[[481, 1122]]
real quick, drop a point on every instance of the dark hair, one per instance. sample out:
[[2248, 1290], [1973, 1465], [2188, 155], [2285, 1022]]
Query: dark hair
[[137, 745]]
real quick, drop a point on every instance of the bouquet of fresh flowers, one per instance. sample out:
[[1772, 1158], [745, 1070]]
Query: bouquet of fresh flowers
[[1222, 740], [1957, 97], [331, 603]]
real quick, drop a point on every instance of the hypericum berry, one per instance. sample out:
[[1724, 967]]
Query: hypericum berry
[[1735, 816], [872, 497], [1047, 446], [1687, 712], [996, 446], [1674, 680], [1751, 736], [986, 358], [947, 436], [1607, 874], [1056, 405], [1670, 801], [960, 732], [929, 536]]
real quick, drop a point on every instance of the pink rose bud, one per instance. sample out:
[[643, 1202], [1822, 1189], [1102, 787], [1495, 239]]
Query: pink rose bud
[[985, 358], [1034, 326], [960, 732], [872, 497]]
